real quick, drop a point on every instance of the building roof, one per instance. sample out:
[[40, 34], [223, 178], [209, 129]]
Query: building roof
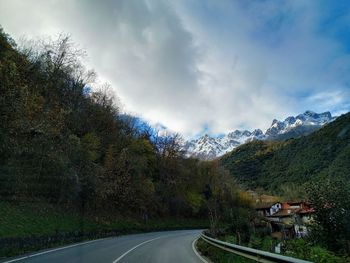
[[306, 211], [294, 202], [266, 205], [285, 212]]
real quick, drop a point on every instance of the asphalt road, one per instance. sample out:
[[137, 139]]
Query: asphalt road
[[156, 247]]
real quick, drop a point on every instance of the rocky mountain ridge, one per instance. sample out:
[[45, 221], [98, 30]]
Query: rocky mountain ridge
[[207, 147]]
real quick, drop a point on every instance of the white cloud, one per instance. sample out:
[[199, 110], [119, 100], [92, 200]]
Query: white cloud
[[199, 65]]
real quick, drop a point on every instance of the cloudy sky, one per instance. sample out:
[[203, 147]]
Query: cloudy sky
[[205, 66]]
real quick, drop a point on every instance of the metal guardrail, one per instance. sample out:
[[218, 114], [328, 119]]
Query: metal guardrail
[[254, 254]]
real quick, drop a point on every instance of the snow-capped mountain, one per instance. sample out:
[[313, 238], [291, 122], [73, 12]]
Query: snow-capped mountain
[[306, 120], [207, 147]]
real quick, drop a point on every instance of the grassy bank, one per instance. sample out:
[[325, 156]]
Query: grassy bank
[[30, 219], [219, 255], [32, 226]]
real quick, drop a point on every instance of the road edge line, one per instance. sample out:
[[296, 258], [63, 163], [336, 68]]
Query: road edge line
[[197, 253], [53, 250], [133, 248]]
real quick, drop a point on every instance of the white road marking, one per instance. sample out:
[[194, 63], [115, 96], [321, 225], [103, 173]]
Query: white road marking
[[52, 250], [127, 252], [196, 252], [91, 241]]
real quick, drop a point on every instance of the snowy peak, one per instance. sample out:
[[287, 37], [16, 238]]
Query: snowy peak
[[239, 135], [257, 133], [314, 118], [308, 118], [208, 147]]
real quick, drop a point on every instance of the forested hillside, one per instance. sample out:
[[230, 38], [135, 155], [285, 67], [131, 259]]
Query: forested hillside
[[276, 166], [66, 144]]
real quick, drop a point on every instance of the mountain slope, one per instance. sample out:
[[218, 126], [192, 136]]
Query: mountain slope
[[271, 164], [207, 147]]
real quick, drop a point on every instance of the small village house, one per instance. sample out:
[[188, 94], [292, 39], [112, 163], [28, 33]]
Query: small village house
[[287, 219], [267, 209]]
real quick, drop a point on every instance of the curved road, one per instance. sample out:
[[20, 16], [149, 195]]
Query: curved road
[[156, 247]]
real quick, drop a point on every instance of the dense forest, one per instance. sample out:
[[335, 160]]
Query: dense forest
[[65, 143], [281, 166]]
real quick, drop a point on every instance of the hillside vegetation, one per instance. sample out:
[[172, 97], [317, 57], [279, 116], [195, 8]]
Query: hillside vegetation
[[314, 167], [65, 146], [276, 165]]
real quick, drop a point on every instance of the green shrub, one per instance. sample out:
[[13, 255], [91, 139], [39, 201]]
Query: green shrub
[[220, 256], [300, 248]]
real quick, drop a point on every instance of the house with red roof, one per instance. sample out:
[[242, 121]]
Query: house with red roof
[[287, 219]]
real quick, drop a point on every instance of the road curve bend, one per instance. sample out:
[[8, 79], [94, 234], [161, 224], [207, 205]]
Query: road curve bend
[[156, 247]]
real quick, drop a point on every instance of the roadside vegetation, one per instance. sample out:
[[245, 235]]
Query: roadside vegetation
[[328, 238], [219, 255], [31, 220]]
